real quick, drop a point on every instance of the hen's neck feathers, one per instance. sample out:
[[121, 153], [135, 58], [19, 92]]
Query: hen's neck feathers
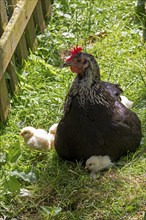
[[87, 88]]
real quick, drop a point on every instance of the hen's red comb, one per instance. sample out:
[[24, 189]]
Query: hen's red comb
[[74, 51]]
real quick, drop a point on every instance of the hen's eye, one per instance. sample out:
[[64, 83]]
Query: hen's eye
[[85, 61], [78, 60]]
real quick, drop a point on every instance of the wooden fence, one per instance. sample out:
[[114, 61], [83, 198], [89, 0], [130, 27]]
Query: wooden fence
[[19, 21]]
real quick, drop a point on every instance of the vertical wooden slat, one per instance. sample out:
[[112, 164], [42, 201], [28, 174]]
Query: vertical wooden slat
[[17, 36], [30, 34], [4, 100], [11, 69], [3, 17], [13, 81], [21, 50], [11, 6], [38, 17], [1, 58], [46, 6], [15, 29], [4, 97]]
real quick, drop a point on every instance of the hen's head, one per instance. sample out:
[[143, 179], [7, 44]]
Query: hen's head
[[82, 63]]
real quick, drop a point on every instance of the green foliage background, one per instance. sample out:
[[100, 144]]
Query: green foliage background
[[39, 185]]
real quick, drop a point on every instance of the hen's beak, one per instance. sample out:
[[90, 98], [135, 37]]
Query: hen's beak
[[66, 64]]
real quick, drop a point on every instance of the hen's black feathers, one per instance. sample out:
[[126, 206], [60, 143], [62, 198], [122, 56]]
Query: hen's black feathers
[[94, 121], [113, 89]]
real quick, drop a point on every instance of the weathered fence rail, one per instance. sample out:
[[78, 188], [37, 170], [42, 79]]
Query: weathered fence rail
[[19, 21]]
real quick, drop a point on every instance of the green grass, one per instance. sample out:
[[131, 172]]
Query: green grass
[[59, 189]]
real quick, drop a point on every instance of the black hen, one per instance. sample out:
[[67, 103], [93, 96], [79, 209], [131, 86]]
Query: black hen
[[94, 122], [113, 89]]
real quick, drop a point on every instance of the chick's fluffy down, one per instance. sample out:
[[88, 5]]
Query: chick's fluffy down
[[97, 163], [37, 139]]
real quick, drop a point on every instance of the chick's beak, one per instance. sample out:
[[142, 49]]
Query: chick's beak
[[86, 168]]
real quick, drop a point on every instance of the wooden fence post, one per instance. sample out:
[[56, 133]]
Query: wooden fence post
[[21, 50], [4, 97], [4, 100], [30, 33], [13, 79], [13, 32], [3, 17], [46, 5], [11, 6], [17, 36], [38, 17]]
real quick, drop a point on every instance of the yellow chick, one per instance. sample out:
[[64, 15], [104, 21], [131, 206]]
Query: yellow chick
[[51, 134], [51, 138], [53, 128], [97, 163], [37, 139]]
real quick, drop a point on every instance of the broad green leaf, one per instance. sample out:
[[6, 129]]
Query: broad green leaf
[[12, 185], [29, 177]]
